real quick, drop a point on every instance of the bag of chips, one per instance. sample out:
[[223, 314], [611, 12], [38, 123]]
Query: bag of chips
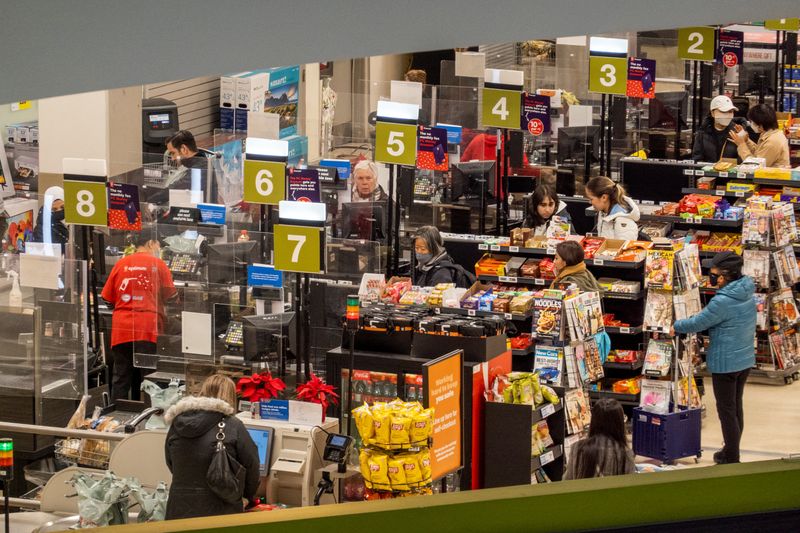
[[401, 426], [421, 427], [397, 474], [412, 469], [364, 422], [363, 461], [379, 471], [383, 425], [425, 465]]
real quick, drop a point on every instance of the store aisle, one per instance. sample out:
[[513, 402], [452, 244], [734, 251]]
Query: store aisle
[[771, 424]]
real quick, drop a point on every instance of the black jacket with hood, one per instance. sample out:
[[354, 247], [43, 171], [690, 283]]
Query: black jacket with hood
[[709, 142], [189, 448], [440, 269]]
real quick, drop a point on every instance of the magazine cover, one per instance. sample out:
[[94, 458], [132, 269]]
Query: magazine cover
[[777, 345], [547, 318], [762, 311], [786, 268], [756, 265], [591, 354], [578, 413], [784, 229], [687, 304], [655, 396], [658, 358], [756, 229], [683, 393], [584, 315], [783, 308], [549, 362], [658, 310], [658, 269], [580, 363]]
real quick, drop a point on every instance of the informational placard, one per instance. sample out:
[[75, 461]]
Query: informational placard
[[295, 412], [790, 24], [453, 132], [299, 248], [443, 392], [730, 50], [432, 149], [212, 213], [608, 75], [396, 143], [182, 215], [535, 114], [341, 165], [304, 185], [259, 275], [327, 174], [500, 108], [264, 181], [697, 43], [641, 78], [85, 201], [123, 207]]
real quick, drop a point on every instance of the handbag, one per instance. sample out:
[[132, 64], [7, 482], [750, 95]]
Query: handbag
[[225, 475]]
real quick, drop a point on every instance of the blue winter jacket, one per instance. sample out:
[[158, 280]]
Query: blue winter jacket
[[730, 318]]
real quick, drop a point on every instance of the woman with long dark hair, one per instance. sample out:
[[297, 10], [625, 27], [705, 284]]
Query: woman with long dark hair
[[543, 208], [605, 451]]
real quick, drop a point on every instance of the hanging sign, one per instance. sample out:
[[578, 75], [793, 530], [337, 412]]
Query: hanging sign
[[641, 78], [264, 182], [299, 248], [730, 50], [697, 43], [304, 185], [608, 75], [432, 149], [85, 200], [535, 115], [396, 143], [790, 24], [501, 108], [124, 212]]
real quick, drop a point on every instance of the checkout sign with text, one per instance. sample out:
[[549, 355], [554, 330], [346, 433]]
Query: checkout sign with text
[[443, 392]]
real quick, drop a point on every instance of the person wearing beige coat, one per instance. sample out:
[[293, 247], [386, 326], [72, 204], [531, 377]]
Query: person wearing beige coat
[[772, 144]]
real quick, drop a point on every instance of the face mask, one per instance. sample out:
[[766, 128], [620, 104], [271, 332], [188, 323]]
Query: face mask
[[57, 216], [713, 279], [724, 120], [755, 127], [423, 259]]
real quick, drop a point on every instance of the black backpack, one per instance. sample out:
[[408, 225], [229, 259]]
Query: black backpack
[[462, 277]]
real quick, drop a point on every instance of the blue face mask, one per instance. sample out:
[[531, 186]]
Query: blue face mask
[[423, 259]]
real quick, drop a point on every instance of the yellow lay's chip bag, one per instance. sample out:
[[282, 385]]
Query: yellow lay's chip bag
[[425, 465], [379, 471], [421, 427], [397, 474], [363, 461], [383, 425], [364, 422], [412, 469], [401, 426]]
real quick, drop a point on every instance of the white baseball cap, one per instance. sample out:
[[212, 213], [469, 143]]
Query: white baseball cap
[[723, 103]]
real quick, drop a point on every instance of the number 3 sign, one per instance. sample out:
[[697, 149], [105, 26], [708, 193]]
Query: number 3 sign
[[85, 203], [299, 249], [608, 75]]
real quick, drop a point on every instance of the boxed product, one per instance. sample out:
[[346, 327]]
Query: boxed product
[[627, 386], [513, 266], [626, 287], [522, 304], [607, 284], [547, 269], [634, 251], [529, 269], [609, 249], [591, 245], [519, 236], [492, 265], [738, 186], [773, 173], [706, 183], [395, 288]]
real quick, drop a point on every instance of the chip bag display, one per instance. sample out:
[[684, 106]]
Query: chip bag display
[[397, 474], [383, 425], [364, 422], [379, 470], [412, 469], [422, 426], [400, 429]]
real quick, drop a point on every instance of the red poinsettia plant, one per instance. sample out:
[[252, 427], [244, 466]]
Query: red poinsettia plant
[[260, 387], [315, 390]]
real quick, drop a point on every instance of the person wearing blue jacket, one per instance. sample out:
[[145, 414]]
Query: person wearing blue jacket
[[730, 318]]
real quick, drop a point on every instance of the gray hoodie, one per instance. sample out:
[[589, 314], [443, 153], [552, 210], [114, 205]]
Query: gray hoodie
[[620, 223]]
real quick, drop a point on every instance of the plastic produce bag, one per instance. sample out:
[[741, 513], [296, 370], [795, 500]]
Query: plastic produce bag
[[162, 398], [103, 502], [153, 505]]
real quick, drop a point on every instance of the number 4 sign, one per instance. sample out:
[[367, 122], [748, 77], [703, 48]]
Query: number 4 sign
[[501, 108], [85, 202], [300, 249]]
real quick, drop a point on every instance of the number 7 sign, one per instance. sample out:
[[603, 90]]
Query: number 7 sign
[[300, 249]]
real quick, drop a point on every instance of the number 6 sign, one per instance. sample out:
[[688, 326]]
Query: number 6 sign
[[264, 182], [85, 202], [300, 249], [396, 143]]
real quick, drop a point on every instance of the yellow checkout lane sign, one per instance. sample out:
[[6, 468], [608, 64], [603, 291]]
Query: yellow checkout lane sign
[[697, 43], [396, 143], [85, 201], [264, 181], [501, 108], [608, 75], [790, 24], [299, 248]]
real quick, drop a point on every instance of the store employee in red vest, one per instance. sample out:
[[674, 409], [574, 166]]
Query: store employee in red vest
[[136, 289]]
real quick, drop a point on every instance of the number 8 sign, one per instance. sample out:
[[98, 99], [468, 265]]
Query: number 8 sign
[[299, 249], [85, 203]]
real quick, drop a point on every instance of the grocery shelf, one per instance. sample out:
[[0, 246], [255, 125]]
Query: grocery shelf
[[540, 413], [697, 222], [632, 265], [624, 295], [516, 280], [632, 330], [527, 351], [550, 454], [716, 192], [624, 399], [473, 312], [624, 366], [544, 252]]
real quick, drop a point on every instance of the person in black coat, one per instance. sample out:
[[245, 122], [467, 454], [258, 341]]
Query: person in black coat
[[190, 444], [58, 233], [193, 168], [712, 143], [434, 264]]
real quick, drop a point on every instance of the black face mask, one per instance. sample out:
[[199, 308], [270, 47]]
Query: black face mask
[[57, 216], [713, 279]]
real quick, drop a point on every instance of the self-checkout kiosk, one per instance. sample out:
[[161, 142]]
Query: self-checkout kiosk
[[291, 453]]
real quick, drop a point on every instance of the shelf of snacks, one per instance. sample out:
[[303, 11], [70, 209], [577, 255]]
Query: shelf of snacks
[[718, 192], [474, 312], [548, 456], [624, 399], [516, 280], [697, 220]]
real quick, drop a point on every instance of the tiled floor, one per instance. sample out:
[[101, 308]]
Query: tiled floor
[[771, 424]]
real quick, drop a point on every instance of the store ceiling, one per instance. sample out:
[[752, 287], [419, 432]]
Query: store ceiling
[[55, 48]]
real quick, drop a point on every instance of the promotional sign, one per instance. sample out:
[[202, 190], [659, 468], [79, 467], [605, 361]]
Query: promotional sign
[[304, 185], [85, 201], [281, 97], [501, 108], [299, 249], [396, 143], [292, 411], [259, 275], [730, 50], [443, 390], [341, 165], [123, 207], [432, 149], [535, 114], [641, 78], [453, 132], [608, 75], [212, 213], [790, 24], [697, 43], [264, 181]]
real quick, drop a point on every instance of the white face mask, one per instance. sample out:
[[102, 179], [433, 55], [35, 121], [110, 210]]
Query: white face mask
[[723, 119], [755, 127]]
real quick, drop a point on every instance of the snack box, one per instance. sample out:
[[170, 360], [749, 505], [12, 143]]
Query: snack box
[[610, 249], [530, 269], [477, 287], [539, 241], [706, 183], [520, 236], [591, 245], [634, 251], [738, 186], [773, 173], [628, 386], [734, 213], [513, 266], [492, 265], [627, 287], [607, 283]]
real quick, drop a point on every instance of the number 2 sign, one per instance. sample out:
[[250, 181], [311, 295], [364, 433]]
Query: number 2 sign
[[608, 75], [697, 43], [299, 249], [85, 203]]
